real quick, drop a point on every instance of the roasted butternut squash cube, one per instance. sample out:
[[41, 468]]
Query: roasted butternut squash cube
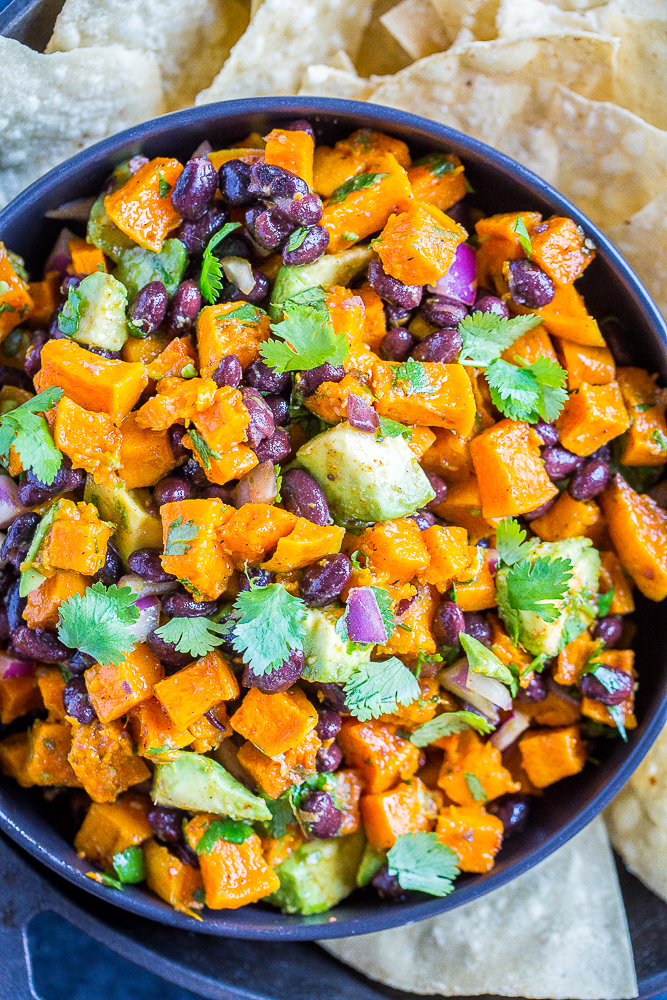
[[613, 575], [41, 610], [144, 351], [292, 151], [438, 180], [372, 146], [51, 683], [177, 400], [552, 711], [463, 507], [349, 786], [77, 540], [561, 249], [192, 550], [449, 403], [233, 874], [210, 729], [142, 207], [172, 880], [222, 425], [15, 300], [481, 761], [638, 529], [86, 259], [13, 751], [503, 647], [594, 365], [111, 827], [647, 436], [568, 518], [448, 549], [530, 346], [396, 550], [145, 455], [47, 755], [448, 456], [510, 471], [418, 620], [232, 464], [153, 731], [229, 328], [591, 417], [171, 359], [377, 751], [330, 399], [407, 808], [418, 245], [90, 439], [103, 761], [551, 754], [254, 530], [375, 323], [473, 834], [275, 723], [573, 658], [333, 167], [354, 216], [195, 689], [479, 593], [117, 687], [305, 544], [45, 296], [275, 776], [566, 316], [18, 695], [504, 226]]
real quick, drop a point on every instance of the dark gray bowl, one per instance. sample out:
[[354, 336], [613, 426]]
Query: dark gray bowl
[[609, 286]]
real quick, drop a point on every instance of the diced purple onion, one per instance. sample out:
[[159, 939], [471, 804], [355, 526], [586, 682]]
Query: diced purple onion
[[142, 588], [510, 730], [363, 618], [72, 211], [10, 508], [455, 679], [149, 617], [260, 485], [60, 258], [491, 689], [361, 415], [460, 281], [12, 667], [492, 559]]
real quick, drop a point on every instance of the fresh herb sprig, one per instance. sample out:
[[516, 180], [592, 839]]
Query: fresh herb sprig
[[421, 861], [378, 688], [210, 280], [26, 431], [270, 626], [305, 338], [100, 623], [195, 636]]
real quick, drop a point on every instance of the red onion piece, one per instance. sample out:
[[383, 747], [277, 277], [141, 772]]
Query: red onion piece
[[455, 679], [510, 730], [60, 258], [149, 616], [560, 692], [144, 589], [492, 559], [363, 618], [460, 281], [10, 508], [361, 415], [11, 667], [491, 689], [260, 485], [74, 211]]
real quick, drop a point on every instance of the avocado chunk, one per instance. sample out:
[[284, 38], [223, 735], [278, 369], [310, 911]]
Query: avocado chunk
[[365, 480], [192, 781], [102, 320], [370, 864], [137, 267], [136, 527], [101, 231], [578, 606], [331, 269], [319, 875], [325, 652]]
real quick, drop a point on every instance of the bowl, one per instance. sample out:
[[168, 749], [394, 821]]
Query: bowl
[[609, 287]]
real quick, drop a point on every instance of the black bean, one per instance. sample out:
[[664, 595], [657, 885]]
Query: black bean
[[76, 702], [33, 491], [544, 508], [102, 352], [609, 629], [388, 886], [166, 651], [33, 358], [300, 125], [329, 695], [329, 724], [442, 346], [329, 758], [176, 433], [147, 309], [492, 304], [194, 188], [303, 496], [39, 644], [559, 462], [275, 448], [396, 315], [112, 570], [80, 662], [261, 418], [172, 489], [439, 487], [195, 235], [234, 181], [536, 690], [194, 472], [228, 372], [313, 378], [7, 579], [268, 227], [320, 816], [260, 577], [477, 626], [548, 432], [397, 344], [279, 407], [512, 811], [265, 379], [448, 623], [302, 210], [146, 564], [528, 284], [361, 415], [590, 480], [280, 679], [591, 687], [184, 853], [324, 581], [184, 308], [214, 492], [181, 604], [311, 248], [18, 538], [443, 312], [257, 293], [166, 823], [15, 607], [15, 377], [423, 519], [391, 289], [603, 454], [270, 181]]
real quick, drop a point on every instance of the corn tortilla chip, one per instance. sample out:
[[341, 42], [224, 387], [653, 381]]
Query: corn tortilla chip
[[327, 81], [478, 17], [282, 40], [557, 931], [65, 102], [643, 242], [190, 40], [417, 28], [641, 79], [527, 18], [379, 53]]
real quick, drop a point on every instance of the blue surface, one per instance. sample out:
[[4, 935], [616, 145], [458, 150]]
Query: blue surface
[[68, 965]]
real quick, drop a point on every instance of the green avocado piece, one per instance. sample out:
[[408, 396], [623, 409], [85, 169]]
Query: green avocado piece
[[319, 875], [325, 652], [370, 864], [102, 320], [102, 232], [365, 480], [137, 267], [136, 527], [578, 607], [192, 781], [331, 269]]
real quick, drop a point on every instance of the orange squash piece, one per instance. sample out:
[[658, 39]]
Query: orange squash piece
[[396, 550], [254, 530], [592, 416], [594, 365], [15, 300], [247, 154], [200, 562], [573, 658], [568, 518], [77, 540], [172, 880], [463, 506], [86, 259], [449, 404], [275, 776], [18, 695], [638, 529], [372, 146], [90, 440], [103, 761], [418, 620], [420, 440], [45, 296], [530, 346], [111, 827], [145, 455], [375, 323], [95, 383], [551, 754], [410, 807], [479, 593], [195, 689], [275, 723], [510, 471], [51, 683], [329, 401], [177, 400], [223, 424], [418, 245], [220, 331], [154, 733], [561, 249], [377, 751], [46, 760], [305, 544], [13, 751], [232, 464], [144, 351], [473, 834], [552, 711], [448, 551], [647, 436], [366, 211], [233, 874], [503, 647], [210, 730], [484, 762], [439, 182], [613, 575], [566, 316], [41, 610], [503, 226], [139, 208], [333, 167], [618, 659], [292, 151], [172, 360], [115, 689]]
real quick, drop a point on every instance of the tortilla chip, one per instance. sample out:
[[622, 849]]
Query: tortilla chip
[[417, 28], [527, 18], [643, 242], [326, 81], [282, 40], [475, 16], [487, 89], [190, 40], [557, 931], [379, 53], [641, 80], [53, 106]]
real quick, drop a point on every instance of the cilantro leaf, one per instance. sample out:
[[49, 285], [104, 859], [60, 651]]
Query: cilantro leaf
[[204, 452], [27, 432], [105, 879], [100, 623], [309, 338], [483, 661], [486, 336], [180, 536], [297, 238], [244, 311], [660, 439], [415, 375], [210, 280], [536, 586], [315, 297], [378, 688], [384, 607], [604, 602], [163, 185], [70, 314], [476, 788], [357, 183], [447, 724], [511, 541], [439, 164], [616, 713], [528, 392], [270, 626], [524, 239], [196, 636], [421, 861], [233, 830], [392, 428]]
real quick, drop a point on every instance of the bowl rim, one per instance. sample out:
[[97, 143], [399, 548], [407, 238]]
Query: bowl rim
[[293, 927]]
